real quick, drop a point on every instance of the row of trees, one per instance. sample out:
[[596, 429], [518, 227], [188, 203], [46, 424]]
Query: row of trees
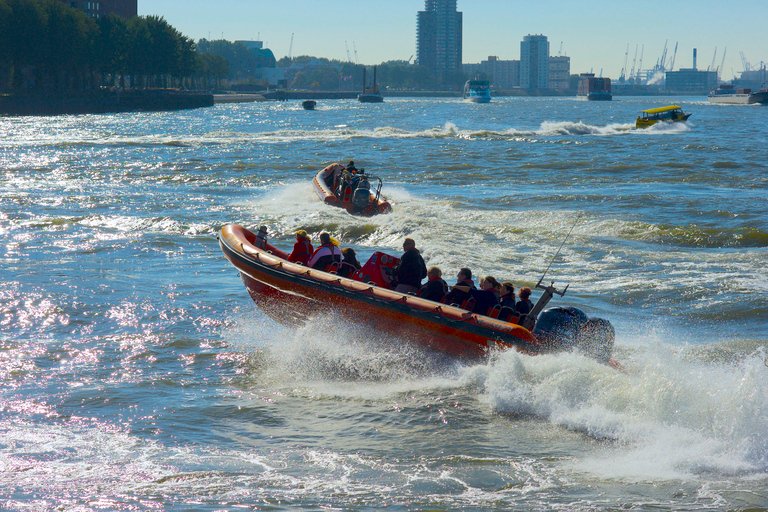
[[45, 45]]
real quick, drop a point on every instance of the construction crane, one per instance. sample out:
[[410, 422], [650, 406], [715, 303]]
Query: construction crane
[[722, 63], [634, 61], [624, 69], [560, 52], [640, 65], [674, 54], [349, 59], [744, 61], [712, 66], [290, 48], [354, 47], [409, 59]]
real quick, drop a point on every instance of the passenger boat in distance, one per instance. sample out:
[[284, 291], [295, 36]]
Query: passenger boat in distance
[[477, 91], [594, 88], [308, 104], [354, 190], [668, 114], [291, 293], [728, 94], [370, 94]]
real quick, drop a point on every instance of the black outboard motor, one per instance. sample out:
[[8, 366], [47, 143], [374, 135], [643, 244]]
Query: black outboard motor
[[362, 194], [566, 328], [559, 328]]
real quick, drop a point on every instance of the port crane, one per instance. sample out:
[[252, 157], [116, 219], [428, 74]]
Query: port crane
[[624, 69], [722, 63], [712, 66]]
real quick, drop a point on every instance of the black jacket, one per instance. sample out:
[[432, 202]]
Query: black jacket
[[412, 268]]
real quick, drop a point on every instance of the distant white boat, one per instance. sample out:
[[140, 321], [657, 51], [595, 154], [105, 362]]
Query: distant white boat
[[728, 94]]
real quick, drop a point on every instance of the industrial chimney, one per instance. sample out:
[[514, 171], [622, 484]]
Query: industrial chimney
[[694, 58]]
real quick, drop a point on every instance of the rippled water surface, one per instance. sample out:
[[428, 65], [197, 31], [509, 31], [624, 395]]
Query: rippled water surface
[[137, 374]]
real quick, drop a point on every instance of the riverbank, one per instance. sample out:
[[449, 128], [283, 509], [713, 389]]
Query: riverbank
[[102, 101]]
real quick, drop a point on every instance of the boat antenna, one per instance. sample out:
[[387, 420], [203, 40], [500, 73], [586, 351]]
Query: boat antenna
[[558, 251], [529, 320]]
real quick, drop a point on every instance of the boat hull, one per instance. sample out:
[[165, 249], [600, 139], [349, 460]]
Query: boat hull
[[375, 205], [291, 293], [370, 98]]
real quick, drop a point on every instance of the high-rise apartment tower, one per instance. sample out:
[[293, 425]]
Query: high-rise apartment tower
[[438, 38], [534, 62]]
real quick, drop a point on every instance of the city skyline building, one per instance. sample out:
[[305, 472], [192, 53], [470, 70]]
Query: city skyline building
[[534, 62], [439, 38], [94, 9]]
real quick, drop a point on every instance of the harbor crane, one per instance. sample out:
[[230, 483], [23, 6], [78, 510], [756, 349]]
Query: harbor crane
[[349, 59], [634, 61], [722, 63], [712, 66], [624, 69], [744, 61], [354, 47], [674, 54]]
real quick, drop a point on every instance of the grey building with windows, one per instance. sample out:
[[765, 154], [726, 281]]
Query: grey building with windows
[[534, 62], [439, 38]]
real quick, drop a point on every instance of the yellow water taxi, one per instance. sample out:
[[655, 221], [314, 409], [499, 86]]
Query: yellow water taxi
[[668, 114]]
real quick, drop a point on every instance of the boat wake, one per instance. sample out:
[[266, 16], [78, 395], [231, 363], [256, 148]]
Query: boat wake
[[674, 415]]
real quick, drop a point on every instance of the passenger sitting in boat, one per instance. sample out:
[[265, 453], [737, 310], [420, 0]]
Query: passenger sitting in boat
[[524, 305], [326, 254], [302, 249], [332, 176], [351, 167], [507, 296], [261, 238], [411, 269], [436, 288], [460, 291], [487, 296], [349, 264]]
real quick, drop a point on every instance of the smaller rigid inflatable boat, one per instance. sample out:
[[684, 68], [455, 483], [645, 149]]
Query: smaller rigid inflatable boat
[[290, 293], [352, 191]]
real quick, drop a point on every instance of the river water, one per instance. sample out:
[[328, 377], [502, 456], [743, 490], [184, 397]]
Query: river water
[[136, 373]]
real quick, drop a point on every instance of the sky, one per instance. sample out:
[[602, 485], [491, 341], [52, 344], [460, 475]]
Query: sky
[[596, 34]]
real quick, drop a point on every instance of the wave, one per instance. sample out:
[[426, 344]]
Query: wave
[[547, 129], [677, 413], [673, 415]]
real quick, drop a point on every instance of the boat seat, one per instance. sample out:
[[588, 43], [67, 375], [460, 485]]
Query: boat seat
[[333, 268], [506, 314], [346, 269], [494, 311], [468, 304]]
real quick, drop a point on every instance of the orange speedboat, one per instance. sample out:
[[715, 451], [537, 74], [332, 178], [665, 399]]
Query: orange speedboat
[[290, 292], [353, 191]]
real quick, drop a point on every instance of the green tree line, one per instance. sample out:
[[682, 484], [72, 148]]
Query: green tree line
[[47, 46]]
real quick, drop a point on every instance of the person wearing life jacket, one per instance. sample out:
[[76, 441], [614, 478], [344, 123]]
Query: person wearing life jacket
[[524, 305], [302, 249], [487, 296], [349, 263], [436, 288], [460, 291], [326, 254], [507, 296]]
